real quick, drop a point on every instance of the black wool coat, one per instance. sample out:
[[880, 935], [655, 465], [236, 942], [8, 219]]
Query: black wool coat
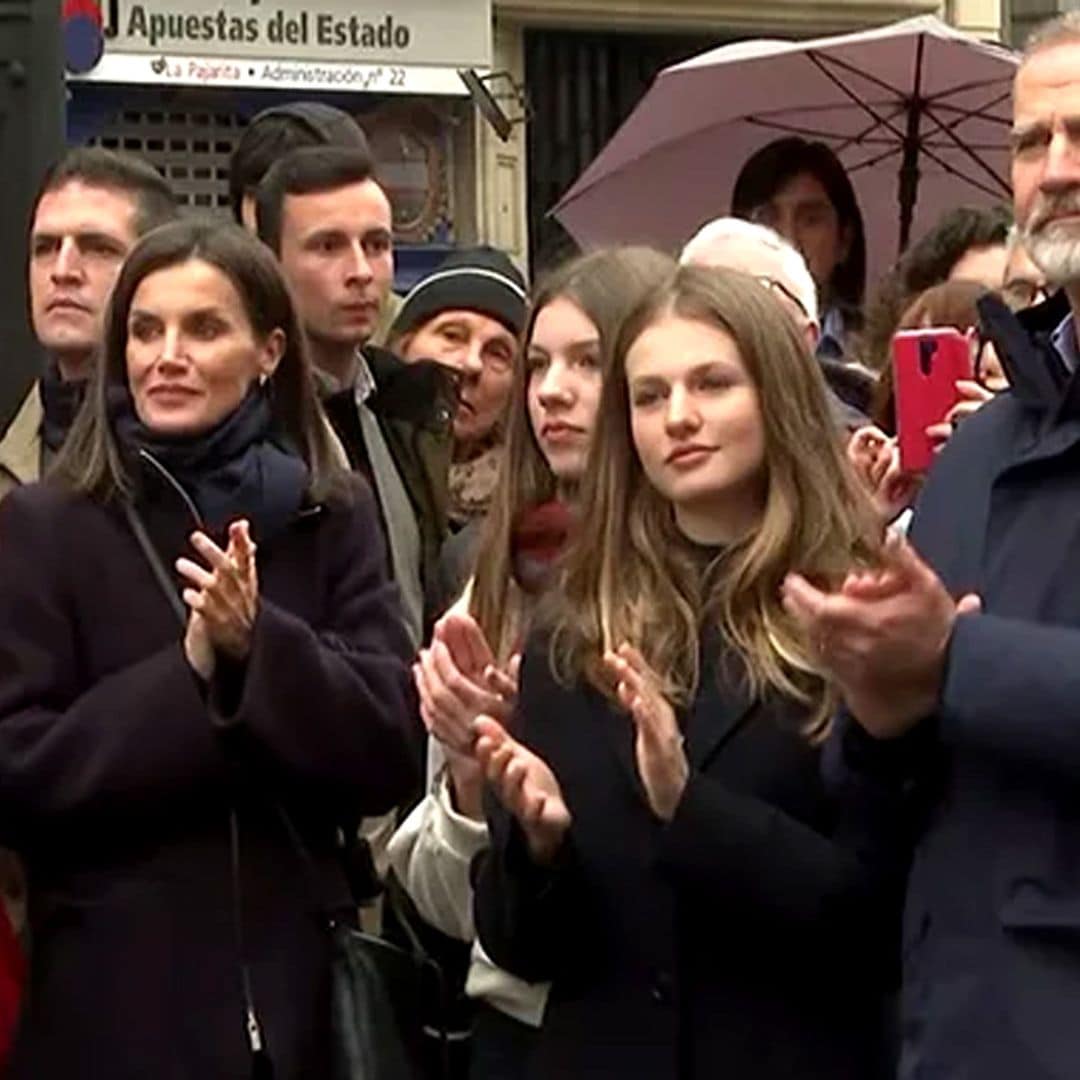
[[741, 939], [118, 771]]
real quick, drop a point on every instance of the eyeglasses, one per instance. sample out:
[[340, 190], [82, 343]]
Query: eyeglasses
[[775, 286]]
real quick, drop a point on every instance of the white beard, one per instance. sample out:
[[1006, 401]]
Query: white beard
[[1056, 252]]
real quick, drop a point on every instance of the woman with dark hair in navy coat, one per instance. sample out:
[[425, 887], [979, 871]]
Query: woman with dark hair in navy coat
[[145, 762]]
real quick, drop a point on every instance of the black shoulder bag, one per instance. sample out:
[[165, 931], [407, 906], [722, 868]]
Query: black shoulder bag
[[378, 990]]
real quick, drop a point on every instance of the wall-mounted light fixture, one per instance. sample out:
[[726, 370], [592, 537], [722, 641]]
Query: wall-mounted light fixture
[[488, 103]]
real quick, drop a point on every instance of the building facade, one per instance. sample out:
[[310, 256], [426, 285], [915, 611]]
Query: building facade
[[585, 63], [1020, 17], [178, 79]]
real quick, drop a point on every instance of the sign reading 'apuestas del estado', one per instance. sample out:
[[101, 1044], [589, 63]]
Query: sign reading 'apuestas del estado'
[[407, 32]]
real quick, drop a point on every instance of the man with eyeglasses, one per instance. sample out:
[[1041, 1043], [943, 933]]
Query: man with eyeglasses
[[734, 244]]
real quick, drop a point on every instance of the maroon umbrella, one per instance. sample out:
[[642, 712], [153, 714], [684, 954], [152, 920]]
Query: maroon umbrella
[[918, 112]]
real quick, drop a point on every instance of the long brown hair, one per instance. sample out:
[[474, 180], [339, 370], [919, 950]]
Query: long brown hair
[[632, 576], [91, 461], [606, 286]]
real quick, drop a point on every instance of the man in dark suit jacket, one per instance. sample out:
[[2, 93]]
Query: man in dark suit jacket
[[964, 714]]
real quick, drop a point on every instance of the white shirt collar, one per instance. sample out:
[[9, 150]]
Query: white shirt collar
[[364, 386]]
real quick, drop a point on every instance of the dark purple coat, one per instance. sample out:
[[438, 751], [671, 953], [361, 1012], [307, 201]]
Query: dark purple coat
[[116, 779]]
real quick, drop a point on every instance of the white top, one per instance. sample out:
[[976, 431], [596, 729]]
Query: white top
[[432, 853]]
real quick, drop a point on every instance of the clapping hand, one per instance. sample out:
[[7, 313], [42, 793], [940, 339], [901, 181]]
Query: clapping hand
[[457, 680], [526, 786], [661, 758], [882, 636], [223, 599]]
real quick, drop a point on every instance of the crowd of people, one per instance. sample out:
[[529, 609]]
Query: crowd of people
[[589, 643]]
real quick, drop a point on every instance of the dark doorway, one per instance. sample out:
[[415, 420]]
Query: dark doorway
[[31, 137], [581, 87]]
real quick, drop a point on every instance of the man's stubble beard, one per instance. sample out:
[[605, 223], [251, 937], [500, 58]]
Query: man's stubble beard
[[335, 355]]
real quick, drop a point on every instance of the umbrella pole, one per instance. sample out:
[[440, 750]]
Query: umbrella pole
[[909, 173], [909, 165]]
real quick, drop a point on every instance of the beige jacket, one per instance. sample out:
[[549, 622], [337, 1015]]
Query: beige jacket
[[20, 448]]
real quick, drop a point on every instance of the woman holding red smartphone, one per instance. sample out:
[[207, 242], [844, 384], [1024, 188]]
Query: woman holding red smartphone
[[874, 451]]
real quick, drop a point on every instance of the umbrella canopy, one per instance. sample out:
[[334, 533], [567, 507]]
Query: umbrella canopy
[[918, 112]]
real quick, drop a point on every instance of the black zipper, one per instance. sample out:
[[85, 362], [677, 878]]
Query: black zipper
[[175, 484]]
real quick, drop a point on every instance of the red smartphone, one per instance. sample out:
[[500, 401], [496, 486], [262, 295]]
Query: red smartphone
[[927, 364]]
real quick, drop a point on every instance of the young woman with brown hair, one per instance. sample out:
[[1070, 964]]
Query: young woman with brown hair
[[666, 856], [469, 667]]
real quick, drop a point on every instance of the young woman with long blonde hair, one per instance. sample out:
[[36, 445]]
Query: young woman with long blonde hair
[[666, 856]]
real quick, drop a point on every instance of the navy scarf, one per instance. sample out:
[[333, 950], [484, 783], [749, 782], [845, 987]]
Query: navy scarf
[[237, 469]]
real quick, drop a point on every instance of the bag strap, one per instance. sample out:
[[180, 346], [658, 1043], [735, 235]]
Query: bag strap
[[161, 576], [261, 1063]]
